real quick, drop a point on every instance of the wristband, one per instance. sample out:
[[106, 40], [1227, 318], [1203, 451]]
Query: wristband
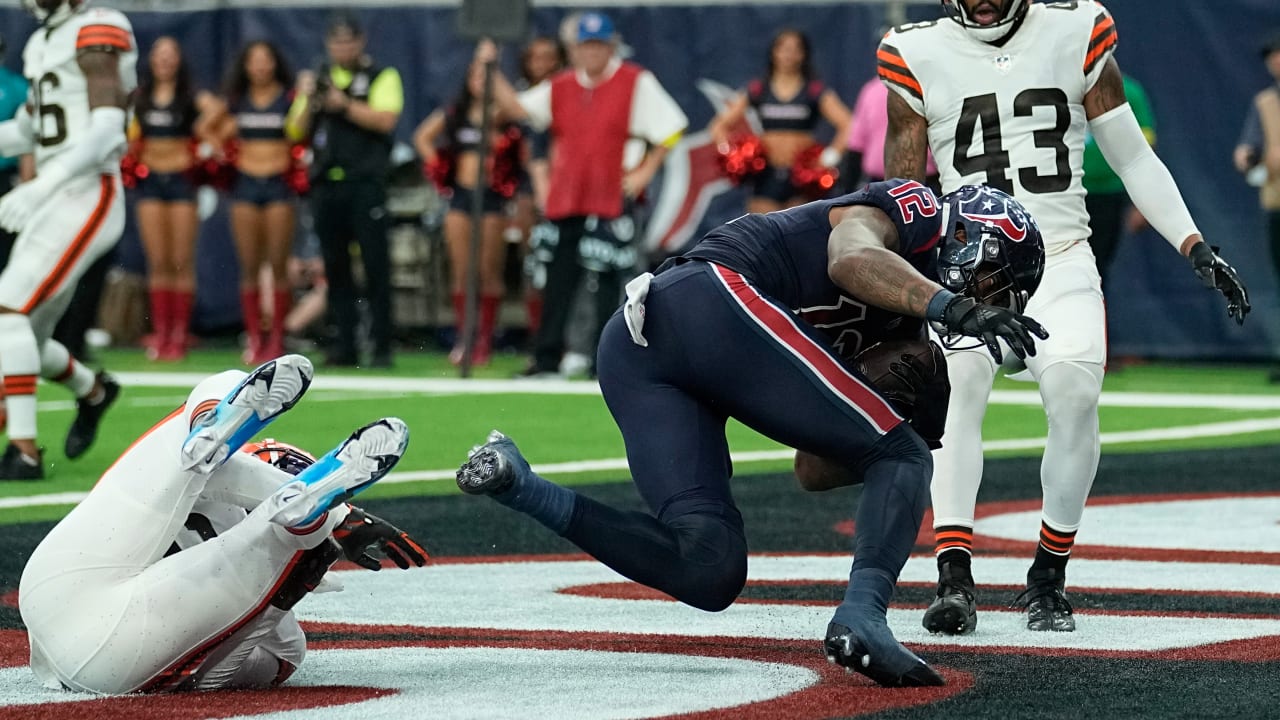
[[938, 305]]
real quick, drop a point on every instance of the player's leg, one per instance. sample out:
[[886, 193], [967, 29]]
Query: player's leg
[[796, 390], [94, 392], [1069, 368], [957, 474], [66, 237]]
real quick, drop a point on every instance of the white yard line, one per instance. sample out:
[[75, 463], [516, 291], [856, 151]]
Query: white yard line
[[1184, 432]]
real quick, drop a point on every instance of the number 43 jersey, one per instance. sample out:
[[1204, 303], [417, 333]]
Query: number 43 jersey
[[59, 91], [1012, 116]]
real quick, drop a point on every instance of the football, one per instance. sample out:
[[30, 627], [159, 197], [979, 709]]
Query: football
[[899, 369]]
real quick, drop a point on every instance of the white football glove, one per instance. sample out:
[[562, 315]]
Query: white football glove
[[21, 203], [830, 157]]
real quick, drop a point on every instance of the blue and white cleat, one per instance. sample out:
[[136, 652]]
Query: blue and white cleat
[[360, 461], [268, 390]]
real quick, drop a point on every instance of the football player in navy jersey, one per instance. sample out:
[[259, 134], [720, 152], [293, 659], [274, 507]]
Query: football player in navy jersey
[[721, 332]]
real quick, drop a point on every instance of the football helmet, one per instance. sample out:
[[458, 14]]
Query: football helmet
[[992, 250], [52, 13], [1013, 13], [288, 458]]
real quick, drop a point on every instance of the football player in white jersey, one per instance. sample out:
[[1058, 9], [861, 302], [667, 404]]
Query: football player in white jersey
[[180, 569], [81, 68], [1003, 91]]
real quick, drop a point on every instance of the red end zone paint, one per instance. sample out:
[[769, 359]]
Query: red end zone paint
[[986, 544], [836, 694], [189, 706]]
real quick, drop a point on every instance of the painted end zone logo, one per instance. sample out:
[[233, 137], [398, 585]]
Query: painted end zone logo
[[570, 638]]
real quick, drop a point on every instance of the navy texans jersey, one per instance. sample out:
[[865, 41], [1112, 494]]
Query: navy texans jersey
[[784, 254]]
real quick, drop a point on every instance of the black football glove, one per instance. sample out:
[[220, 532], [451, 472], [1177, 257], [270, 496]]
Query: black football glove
[[1216, 274], [965, 316], [361, 530]]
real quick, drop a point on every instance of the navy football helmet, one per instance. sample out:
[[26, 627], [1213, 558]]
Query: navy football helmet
[[992, 250], [1006, 23]]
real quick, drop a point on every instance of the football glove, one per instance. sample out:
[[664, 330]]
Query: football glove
[[361, 530], [965, 316], [1216, 274]]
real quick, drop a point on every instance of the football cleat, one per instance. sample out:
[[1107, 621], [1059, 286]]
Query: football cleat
[[492, 468], [265, 393], [872, 651], [1046, 602], [84, 429], [954, 611], [360, 461], [15, 466]]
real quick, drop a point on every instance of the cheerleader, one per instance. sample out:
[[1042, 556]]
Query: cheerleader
[[170, 117], [790, 102], [264, 191], [457, 129]]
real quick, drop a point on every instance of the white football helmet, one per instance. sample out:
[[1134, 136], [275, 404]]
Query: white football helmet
[[1014, 11], [52, 13]]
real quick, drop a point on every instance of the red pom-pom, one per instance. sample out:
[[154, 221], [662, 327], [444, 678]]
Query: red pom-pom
[[440, 172], [742, 158], [132, 169], [505, 161], [298, 176], [810, 177]]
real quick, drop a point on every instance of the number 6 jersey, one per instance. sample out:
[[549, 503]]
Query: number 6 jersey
[[59, 93], [1012, 116]]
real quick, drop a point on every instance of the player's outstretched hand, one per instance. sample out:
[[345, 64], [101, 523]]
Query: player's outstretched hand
[[360, 531], [966, 316], [1216, 274]]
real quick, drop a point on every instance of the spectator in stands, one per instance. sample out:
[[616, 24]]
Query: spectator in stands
[[864, 159], [591, 112], [263, 198], [350, 109], [170, 118], [1110, 212], [460, 127], [1258, 153], [790, 101]]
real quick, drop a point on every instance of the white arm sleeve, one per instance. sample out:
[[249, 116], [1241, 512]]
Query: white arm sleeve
[[104, 137], [536, 102], [1147, 180], [17, 136]]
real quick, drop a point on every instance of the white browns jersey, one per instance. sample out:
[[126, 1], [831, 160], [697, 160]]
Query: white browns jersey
[[1011, 117], [59, 92]]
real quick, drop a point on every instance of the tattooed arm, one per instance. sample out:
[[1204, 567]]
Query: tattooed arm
[[862, 259], [906, 146]]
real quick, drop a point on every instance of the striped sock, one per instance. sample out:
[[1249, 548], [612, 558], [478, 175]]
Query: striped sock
[[953, 543], [1055, 547]]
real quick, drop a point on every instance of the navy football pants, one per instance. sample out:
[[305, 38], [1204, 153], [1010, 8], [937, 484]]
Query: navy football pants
[[719, 349]]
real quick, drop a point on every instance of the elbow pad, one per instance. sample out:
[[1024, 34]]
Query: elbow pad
[[1146, 179]]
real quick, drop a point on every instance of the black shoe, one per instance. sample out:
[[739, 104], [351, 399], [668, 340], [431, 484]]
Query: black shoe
[[872, 651], [88, 416], [16, 466], [1045, 602], [954, 611]]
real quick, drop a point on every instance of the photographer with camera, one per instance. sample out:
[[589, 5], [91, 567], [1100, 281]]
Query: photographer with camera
[[349, 110]]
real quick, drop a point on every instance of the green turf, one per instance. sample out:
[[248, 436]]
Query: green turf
[[561, 428]]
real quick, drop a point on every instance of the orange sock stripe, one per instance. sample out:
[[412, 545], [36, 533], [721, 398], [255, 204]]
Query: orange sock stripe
[[943, 547], [20, 385], [204, 407], [1057, 536], [66, 374], [952, 537]]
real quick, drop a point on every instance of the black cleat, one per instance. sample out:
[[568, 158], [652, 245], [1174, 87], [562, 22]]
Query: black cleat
[[954, 611], [492, 468], [873, 652], [1046, 602], [15, 466], [88, 416]]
